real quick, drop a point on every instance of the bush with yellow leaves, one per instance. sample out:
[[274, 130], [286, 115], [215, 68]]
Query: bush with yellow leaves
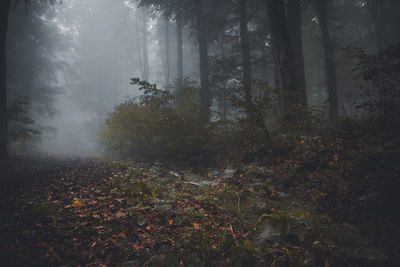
[[157, 125]]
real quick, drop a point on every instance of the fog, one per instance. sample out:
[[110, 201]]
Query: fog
[[70, 63], [86, 52]]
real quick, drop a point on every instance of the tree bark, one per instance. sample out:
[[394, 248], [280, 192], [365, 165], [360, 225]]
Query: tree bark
[[245, 47], [179, 44], [139, 46], [284, 56], [294, 26], [4, 9], [145, 47], [329, 53], [376, 9], [203, 53], [167, 65]]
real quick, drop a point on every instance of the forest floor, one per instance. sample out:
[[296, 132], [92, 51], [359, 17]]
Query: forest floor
[[92, 212]]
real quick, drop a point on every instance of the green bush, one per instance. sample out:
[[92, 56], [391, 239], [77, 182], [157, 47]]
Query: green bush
[[160, 124]]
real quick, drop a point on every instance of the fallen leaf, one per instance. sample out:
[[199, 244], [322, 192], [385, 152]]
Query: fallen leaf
[[196, 226], [119, 214]]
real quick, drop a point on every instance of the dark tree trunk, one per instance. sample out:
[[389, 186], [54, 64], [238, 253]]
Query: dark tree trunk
[[322, 10], [294, 26], [376, 9], [284, 56], [203, 53], [179, 44], [245, 47], [167, 65], [4, 9]]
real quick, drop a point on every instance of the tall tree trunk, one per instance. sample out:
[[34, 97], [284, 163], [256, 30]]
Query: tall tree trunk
[[179, 44], [322, 12], [284, 56], [294, 26], [4, 9], [139, 46], [245, 47], [145, 46], [203, 53], [376, 9], [167, 67]]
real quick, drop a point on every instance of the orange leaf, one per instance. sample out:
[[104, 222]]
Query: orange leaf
[[119, 214], [196, 226]]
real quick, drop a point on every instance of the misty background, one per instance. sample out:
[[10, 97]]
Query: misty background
[[70, 64]]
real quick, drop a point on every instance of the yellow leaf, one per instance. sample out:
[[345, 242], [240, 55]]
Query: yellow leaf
[[77, 202]]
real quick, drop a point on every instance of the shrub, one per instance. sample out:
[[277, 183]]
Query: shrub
[[160, 124]]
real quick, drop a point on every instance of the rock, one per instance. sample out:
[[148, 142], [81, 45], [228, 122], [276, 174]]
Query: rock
[[174, 173], [271, 231], [259, 171], [228, 173]]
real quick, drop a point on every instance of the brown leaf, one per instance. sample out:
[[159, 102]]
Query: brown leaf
[[119, 214]]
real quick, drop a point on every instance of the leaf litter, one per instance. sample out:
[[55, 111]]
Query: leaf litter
[[103, 213]]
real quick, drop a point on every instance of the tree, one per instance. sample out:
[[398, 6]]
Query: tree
[[376, 9], [203, 53], [284, 56], [245, 48], [145, 52], [4, 9], [329, 55], [4, 13], [294, 26], [166, 56], [179, 43]]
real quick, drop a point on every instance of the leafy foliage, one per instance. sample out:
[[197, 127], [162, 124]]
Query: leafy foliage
[[382, 94], [158, 125], [20, 123]]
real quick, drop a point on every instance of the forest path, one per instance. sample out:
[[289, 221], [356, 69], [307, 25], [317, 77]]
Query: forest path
[[89, 212]]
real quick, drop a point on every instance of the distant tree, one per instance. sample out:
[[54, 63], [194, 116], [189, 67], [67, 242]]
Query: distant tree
[[179, 42], [144, 47], [245, 48], [172, 9], [5, 6], [376, 9], [167, 54], [329, 53], [203, 56]]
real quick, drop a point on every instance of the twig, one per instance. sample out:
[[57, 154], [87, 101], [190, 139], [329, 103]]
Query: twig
[[233, 234], [147, 262]]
